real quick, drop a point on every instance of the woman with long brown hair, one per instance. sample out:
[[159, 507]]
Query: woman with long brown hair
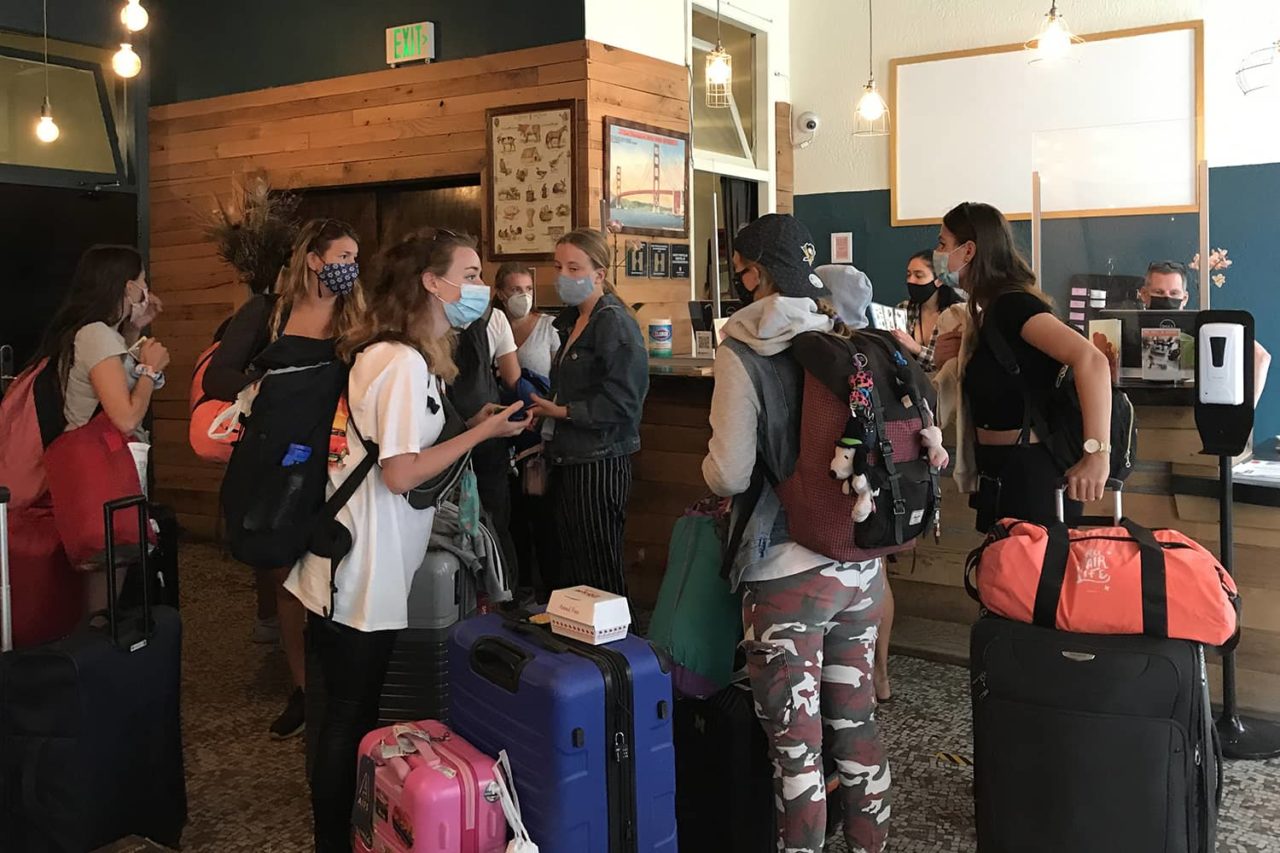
[[999, 458], [599, 380], [317, 297], [401, 358]]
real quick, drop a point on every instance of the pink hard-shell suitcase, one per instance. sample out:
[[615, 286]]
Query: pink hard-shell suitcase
[[432, 792]]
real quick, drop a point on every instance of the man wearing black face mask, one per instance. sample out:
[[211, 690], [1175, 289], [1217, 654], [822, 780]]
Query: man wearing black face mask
[[1165, 289]]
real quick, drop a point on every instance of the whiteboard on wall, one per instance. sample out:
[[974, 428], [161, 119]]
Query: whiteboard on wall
[[1115, 129]]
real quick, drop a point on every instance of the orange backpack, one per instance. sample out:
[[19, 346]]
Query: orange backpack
[[204, 412]]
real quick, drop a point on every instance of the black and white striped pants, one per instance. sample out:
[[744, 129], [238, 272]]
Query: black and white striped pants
[[590, 502]]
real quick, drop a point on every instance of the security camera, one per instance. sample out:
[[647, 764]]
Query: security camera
[[809, 122]]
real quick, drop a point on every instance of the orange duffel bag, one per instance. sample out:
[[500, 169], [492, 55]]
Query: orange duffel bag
[[1124, 579]]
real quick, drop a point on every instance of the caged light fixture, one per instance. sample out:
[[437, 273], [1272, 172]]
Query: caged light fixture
[[1054, 41], [719, 71], [46, 129], [872, 113], [1260, 70]]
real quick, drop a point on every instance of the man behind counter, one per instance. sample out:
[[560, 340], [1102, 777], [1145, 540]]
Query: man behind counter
[[1165, 289]]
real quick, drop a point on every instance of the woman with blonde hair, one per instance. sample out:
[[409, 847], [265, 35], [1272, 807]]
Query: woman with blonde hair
[[401, 359], [591, 426], [318, 298]]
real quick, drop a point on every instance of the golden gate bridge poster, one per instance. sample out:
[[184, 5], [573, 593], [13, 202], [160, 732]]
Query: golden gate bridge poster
[[647, 178]]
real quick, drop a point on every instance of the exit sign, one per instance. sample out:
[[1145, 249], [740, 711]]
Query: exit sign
[[411, 42]]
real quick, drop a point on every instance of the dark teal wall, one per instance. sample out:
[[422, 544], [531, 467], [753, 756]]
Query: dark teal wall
[[204, 48], [1244, 218]]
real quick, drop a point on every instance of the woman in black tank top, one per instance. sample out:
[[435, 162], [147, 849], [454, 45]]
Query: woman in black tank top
[[1018, 475]]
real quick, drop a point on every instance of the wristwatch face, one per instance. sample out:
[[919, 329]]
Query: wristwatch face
[[1092, 445]]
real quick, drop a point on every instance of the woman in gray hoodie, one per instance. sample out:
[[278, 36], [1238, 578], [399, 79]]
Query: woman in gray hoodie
[[810, 622]]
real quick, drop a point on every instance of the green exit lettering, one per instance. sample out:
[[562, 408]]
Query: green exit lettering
[[410, 42]]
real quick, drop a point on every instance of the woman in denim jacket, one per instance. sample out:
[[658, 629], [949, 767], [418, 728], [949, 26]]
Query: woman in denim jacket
[[591, 427]]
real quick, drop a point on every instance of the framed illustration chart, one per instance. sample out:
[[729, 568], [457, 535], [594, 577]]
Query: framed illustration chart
[[532, 185]]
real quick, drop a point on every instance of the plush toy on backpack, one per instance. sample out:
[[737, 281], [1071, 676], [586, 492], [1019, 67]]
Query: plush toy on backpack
[[852, 468], [931, 438]]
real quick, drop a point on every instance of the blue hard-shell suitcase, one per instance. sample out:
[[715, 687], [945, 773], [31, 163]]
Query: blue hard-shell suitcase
[[588, 730]]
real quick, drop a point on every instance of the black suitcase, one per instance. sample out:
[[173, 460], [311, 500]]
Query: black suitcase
[[724, 779], [162, 564], [1103, 744], [90, 733]]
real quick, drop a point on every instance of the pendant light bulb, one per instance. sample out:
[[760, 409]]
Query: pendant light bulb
[[871, 106], [1054, 41], [134, 17], [46, 130], [719, 71], [125, 62]]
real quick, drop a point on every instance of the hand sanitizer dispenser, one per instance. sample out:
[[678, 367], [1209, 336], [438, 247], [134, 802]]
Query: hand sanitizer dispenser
[[1224, 381], [1221, 361]]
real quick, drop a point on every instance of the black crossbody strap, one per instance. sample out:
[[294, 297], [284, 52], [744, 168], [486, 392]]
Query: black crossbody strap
[[885, 447]]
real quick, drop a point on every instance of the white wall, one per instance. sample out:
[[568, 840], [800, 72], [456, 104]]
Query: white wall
[[652, 27], [829, 67]]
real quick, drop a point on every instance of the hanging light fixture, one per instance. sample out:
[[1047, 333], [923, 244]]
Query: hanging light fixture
[[872, 113], [125, 62], [1055, 38], [134, 17], [46, 130], [719, 71], [1260, 70]]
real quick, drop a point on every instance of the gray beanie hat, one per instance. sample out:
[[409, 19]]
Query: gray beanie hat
[[850, 292]]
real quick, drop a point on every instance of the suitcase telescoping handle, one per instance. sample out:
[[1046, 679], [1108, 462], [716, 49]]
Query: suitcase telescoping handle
[[6, 604], [1116, 487], [109, 511]]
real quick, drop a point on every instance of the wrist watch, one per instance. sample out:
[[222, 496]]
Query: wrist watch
[[1092, 445], [156, 376]]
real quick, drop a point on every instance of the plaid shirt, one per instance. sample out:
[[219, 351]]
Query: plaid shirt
[[925, 358]]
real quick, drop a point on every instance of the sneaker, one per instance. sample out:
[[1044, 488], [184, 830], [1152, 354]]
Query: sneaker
[[293, 719], [266, 631]]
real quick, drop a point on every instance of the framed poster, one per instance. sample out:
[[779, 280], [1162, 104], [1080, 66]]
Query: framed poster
[[532, 181], [680, 260], [646, 178], [842, 247]]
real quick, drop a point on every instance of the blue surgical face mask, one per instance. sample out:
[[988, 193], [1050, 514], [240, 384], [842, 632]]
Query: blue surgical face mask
[[942, 268], [339, 278], [470, 306], [574, 291]]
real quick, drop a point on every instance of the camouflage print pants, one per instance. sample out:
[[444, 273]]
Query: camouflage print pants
[[810, 644]]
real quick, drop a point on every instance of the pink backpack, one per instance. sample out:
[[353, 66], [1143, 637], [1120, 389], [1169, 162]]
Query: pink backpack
[[30, 418]]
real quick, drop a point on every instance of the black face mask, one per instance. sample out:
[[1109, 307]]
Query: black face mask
[[740, 289], [1165, 303], [919, 294]]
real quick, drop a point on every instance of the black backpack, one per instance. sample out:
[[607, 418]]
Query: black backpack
[[272, 498], [1054, 413]]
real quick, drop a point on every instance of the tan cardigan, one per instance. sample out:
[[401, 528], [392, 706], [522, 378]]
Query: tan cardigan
[[949, 380]]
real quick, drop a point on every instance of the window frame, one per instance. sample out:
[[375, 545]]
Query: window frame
[[72, 178]]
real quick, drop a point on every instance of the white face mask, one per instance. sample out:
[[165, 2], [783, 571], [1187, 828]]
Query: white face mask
[[134, 311], [520, 305]]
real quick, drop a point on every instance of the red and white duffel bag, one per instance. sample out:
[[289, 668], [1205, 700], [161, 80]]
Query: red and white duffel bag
[[1124, 579]]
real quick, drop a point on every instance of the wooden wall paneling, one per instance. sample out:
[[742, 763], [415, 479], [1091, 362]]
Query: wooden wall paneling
[[785, 155]]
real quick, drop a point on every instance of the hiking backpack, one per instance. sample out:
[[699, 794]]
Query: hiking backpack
[[864, 407]]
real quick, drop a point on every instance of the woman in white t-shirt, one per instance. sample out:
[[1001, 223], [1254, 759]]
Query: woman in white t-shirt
[[535, 334], [401, 359]]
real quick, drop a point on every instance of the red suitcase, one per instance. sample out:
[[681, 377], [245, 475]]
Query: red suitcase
[[421, 788]]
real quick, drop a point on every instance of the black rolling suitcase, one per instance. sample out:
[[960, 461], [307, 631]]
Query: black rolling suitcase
[[90, 733], [724, 779]]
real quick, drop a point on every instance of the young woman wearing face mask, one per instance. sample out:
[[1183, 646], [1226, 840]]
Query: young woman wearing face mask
[[95, 342], [1011, 474], [809, 622], [927, 301], [316, 303], [533, 523], [401, 358], [599, 380]]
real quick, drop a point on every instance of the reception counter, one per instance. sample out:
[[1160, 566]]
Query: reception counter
[[1172, 485]]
